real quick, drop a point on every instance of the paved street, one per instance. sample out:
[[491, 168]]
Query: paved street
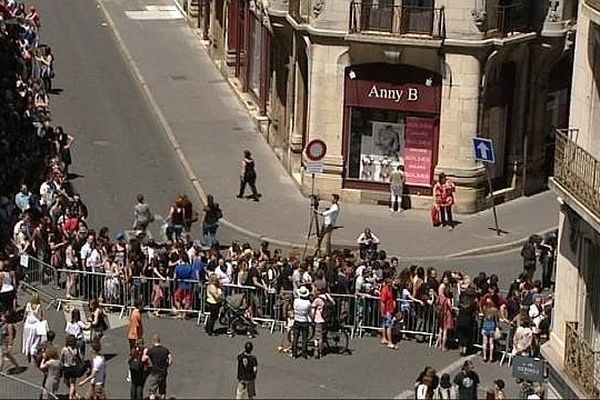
[[199, 112], [205, 366], [121, 149]]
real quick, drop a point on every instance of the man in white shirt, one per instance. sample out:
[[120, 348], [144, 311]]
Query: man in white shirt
[[22, 198], [302, 312], [47, 193], [98, 375], [330, 217], [224, 272]]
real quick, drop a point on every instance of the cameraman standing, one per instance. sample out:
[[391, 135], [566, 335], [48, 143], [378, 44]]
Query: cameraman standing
[[329, 219]]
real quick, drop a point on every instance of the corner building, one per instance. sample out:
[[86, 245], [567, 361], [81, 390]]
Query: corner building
[[573, 350], [411, 82]]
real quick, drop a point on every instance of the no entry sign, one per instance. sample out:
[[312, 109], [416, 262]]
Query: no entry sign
[[315, 150]]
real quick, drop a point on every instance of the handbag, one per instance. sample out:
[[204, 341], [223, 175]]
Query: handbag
[[41, 328], [497, 334], [435, 216]]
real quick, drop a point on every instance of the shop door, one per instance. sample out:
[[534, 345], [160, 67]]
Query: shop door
[[377, 15]]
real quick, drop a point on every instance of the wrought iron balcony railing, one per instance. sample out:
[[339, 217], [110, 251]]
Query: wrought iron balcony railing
[[506, 19], [577, 170], [582, 363], [384, 17]]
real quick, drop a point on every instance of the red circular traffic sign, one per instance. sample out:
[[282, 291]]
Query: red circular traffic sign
[[316, 150]]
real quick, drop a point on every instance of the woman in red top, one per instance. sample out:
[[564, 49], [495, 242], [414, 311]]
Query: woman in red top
[[387, 309], [443, 192]]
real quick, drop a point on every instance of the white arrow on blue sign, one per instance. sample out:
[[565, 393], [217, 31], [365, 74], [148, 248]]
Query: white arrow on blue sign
[[484, 150]]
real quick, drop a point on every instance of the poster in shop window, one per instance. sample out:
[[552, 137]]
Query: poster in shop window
[[418, 153], [381, 151]]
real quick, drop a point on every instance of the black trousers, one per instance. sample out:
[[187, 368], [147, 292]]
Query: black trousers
[[300, 329], [137, 391], [251, 181], [213, 310]]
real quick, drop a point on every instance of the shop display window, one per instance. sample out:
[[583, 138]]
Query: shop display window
[[376, 144]]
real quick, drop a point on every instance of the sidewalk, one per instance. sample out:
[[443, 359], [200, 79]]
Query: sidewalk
[[208, 128]]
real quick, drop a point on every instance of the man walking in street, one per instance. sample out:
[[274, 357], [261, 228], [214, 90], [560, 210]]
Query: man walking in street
[[396, 188], [329, 220], [142, 216], [161, 359], [246, 373], [443, 192], [248, 176]]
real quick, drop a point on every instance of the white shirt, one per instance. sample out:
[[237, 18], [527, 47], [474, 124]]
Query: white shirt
[[536, 316], [99, 365], [85, 252], [224, 276], [47, 191], [331, 214], [302, 308], [75, 329], [94, 261]]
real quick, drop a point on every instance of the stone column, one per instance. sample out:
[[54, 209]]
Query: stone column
[[325, 112], [458, 125]]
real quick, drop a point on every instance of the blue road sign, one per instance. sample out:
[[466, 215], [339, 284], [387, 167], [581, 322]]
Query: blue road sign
[[484, 150]]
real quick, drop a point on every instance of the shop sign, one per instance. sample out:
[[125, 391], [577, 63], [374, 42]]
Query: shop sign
[[528, 368], [408, 97], [418, 152], [395, 95]]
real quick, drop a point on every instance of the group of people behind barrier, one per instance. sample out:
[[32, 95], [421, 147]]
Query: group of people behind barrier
[[370, 295]]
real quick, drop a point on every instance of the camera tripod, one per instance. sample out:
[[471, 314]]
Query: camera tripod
[[313, 224]]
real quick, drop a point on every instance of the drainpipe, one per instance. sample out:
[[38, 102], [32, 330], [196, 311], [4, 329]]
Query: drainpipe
[[526, 121]]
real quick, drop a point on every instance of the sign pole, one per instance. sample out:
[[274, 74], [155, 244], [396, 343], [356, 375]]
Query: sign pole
[[489, 179]]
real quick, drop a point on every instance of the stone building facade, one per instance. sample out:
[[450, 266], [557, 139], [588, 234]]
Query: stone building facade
[[573, 350], [402, 82]]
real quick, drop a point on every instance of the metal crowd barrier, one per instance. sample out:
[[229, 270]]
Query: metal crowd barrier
[[12, 387], [359, 313], [412, 318]]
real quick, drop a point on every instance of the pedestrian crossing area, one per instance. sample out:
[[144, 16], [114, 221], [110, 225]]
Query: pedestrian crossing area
[[155, 13]]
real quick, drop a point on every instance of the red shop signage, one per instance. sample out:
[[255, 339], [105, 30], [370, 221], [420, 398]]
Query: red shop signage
[[419, 136], [411, 97]]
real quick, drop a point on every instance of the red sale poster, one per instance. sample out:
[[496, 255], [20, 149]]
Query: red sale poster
[[419, 137]]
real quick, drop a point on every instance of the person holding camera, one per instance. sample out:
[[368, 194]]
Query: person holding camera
[[367, 244], [330, 217]]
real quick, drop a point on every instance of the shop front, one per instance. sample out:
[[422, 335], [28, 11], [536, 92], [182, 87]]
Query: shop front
[[391, 118]]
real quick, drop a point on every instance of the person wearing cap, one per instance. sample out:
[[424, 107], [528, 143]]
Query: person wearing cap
[[499, 389], [302, 309]]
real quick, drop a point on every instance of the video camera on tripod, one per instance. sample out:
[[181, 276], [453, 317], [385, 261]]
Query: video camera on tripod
[[314, 201]]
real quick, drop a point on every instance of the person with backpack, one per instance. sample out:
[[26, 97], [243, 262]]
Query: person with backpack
[[138, 370], [324, 316]]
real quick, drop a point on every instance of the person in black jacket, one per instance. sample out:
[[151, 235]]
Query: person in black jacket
[[528, 253], [248, 176]]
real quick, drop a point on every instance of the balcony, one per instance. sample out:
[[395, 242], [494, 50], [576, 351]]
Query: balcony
[[508, 19], [382, 17], [582, 363], [300, 10], [577, 170]]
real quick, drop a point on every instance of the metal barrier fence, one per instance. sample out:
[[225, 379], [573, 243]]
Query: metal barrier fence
[[412, 318], [12, 387], [359, 313]]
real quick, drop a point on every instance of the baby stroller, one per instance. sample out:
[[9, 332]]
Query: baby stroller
[[234, 314]]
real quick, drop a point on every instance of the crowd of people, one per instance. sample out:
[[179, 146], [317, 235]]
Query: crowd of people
[[50, 224]]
